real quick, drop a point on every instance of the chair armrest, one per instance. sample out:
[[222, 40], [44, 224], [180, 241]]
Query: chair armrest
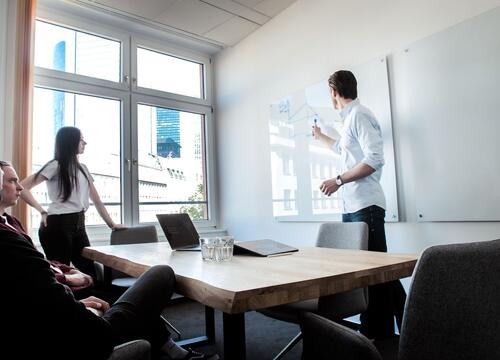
[[132, 350]]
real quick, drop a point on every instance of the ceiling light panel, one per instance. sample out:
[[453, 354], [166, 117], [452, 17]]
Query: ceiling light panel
[[193, 16], [146, 9]]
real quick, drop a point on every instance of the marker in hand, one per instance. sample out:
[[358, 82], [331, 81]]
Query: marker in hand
[[314, 127]]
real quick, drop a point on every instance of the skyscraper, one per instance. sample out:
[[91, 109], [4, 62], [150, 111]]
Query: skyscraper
[[168, 136], [59, 64]]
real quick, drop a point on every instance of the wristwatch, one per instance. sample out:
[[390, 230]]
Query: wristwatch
[[339, 181]]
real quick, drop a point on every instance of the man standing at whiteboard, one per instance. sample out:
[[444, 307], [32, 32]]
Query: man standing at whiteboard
[[360, 146]]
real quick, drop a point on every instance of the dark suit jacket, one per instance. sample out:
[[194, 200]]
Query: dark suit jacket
[[40, 317]]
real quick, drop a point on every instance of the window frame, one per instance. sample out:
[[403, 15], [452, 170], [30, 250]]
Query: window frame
[[209, 150], [138, 42], [92, 28], [130, 96], [58, 84]]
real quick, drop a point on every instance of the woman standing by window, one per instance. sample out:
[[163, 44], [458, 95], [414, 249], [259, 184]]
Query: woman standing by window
[[69, 183]]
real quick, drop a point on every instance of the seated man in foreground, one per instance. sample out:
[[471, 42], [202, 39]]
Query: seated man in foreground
[[42, 319], [81, 284]]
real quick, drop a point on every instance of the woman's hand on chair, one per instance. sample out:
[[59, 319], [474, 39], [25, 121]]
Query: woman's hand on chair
[[117, 227]]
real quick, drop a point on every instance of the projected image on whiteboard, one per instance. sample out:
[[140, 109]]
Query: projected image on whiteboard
[[300, 163]]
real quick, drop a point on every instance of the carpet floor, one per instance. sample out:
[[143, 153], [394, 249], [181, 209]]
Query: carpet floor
[[265, 337]]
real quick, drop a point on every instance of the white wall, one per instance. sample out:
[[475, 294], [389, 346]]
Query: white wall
[[300, 47]]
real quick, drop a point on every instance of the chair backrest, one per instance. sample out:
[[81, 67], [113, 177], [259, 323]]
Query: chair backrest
[[327, 340], [353, 235], [134, 235], [132, 350], [338, 235], [453, 306]]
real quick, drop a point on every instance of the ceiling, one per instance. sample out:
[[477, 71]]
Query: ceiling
[[223, 22]]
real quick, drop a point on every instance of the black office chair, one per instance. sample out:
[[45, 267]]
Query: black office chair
[[338, 306], [451, 311]]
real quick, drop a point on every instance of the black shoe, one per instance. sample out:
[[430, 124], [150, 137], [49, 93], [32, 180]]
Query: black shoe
[[194, 355]]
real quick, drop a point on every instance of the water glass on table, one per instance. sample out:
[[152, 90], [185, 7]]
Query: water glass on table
[[226, 247], [217, 248]]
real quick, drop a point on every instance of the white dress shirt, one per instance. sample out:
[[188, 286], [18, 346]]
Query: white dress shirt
[[360, 142]]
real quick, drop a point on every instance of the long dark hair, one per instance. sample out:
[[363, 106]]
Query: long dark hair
[[66, 154]]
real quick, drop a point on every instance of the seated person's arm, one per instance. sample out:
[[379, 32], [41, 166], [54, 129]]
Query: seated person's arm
[[70, 276]]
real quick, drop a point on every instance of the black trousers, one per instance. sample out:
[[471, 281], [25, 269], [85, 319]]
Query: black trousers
[[385, 301], [136, 314], [63, 240]]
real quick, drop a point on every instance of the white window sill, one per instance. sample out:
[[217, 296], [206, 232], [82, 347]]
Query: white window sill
[[99, 235]]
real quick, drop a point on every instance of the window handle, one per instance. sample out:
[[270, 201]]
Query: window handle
[[125, 78], [129, 165]]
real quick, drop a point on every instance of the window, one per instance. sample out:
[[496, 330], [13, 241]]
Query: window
[[287, 196], [177, 75], [63, 49], [286, 165], [149, 147], [316, 198], [55, 109], [171, 164]]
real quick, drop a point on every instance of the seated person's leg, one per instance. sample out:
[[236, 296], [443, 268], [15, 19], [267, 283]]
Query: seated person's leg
[[110, 294], [136, 314]]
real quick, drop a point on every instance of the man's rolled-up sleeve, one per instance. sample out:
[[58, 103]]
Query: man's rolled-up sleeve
[[370, 139]]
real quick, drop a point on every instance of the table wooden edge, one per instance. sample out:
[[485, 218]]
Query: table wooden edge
[[237, 302]]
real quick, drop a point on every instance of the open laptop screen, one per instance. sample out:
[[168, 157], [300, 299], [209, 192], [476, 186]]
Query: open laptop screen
[[179, 230]]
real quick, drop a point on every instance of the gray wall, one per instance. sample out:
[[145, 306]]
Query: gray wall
[[300, 47]]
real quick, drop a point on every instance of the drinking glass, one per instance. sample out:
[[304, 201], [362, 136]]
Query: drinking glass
[[207, 246]]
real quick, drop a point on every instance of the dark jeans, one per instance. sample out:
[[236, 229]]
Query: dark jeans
[[63, 240], [136, 314], [384, 300]]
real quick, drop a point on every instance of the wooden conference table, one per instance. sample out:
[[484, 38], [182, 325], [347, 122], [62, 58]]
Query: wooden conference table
[[249, 283]]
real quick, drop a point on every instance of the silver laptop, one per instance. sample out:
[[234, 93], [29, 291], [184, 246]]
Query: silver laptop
[[179, 231]]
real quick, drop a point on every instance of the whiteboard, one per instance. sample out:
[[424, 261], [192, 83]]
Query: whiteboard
[[450, 96], [299, 164]]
